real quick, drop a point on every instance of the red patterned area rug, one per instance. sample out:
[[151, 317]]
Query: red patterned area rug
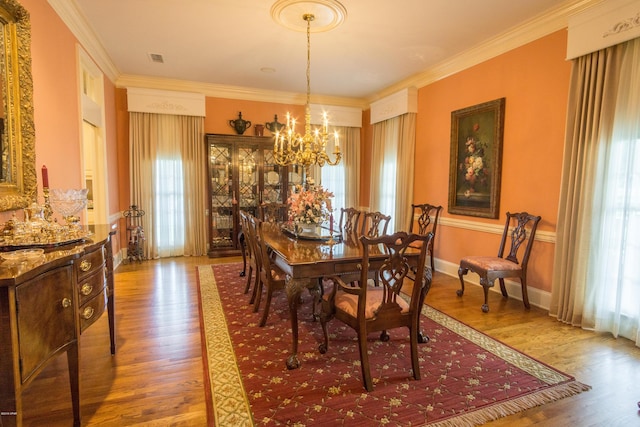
[[468, 378]]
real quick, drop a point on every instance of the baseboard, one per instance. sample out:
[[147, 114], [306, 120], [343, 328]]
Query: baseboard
[[117, 258], [537, 297]]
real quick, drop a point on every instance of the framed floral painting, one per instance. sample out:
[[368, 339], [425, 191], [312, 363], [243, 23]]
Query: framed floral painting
[[476, 155]]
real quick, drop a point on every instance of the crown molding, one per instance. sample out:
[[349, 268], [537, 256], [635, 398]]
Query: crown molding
[[71, 16], [235, 92], [533, 29]]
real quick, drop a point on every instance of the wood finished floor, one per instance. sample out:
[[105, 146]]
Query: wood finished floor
[[156, 377]]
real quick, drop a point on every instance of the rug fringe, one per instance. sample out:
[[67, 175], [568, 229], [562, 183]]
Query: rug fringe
[[494, 412]]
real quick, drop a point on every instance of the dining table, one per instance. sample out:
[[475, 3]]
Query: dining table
[[307, 257]]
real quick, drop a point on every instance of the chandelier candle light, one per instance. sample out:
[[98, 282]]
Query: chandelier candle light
[[291, 148]]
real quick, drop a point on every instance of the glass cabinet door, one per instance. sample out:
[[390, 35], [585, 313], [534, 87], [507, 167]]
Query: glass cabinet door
[[272, 178], [248, 179], [221, 186]]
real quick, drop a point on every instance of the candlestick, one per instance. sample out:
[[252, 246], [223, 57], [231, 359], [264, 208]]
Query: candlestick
[[48, 211], [331, 224], [45, 177]]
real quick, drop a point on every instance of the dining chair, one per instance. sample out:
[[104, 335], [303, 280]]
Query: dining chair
[[374, 224], [427, 222], [272, 278], [349, 220], [249, 232], [273, 212], [519, 232], [380, 308]]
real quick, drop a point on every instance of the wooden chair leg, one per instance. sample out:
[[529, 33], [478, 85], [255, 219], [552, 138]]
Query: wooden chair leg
[[256, 285], [431, 256], [364, 361], [258, 296], [525, 296], [485, 306], [267, 305], [461, 272], [249, 277], [503, 288], [243, 251], [415, 361]]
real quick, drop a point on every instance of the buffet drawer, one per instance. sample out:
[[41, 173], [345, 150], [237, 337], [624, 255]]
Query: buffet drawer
[[90, 287], [92, 310], [90, 263]]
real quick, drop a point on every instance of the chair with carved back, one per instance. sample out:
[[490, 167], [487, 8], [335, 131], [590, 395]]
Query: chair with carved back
[[272, 278], [380, 308], [349, 221], [273, 212], [374, 224], [518, 237], [251, 240], [249, 253], [427, 222]]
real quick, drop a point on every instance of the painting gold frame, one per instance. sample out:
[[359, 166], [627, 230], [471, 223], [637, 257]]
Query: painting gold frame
[[18, 176], [476, 159]]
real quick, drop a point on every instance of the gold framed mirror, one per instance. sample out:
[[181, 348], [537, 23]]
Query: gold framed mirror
[[17, 133]]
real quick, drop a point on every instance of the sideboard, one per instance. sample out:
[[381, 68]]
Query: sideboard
[[45, 305]]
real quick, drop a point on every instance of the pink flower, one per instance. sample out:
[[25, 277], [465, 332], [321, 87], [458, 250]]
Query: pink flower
[[310, 205]]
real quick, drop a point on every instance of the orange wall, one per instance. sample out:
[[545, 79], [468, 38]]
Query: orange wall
[[534, 79], [56, 107]]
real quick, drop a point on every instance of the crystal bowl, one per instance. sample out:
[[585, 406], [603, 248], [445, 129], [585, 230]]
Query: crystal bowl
[[68, 202]]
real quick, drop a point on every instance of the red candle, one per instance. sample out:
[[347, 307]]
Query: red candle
[[331, 224], [45, 177]]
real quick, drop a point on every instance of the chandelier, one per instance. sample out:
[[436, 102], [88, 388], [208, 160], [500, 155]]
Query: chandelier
[[292, 148]]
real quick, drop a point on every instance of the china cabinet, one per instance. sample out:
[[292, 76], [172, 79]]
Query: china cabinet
[[241, 175]]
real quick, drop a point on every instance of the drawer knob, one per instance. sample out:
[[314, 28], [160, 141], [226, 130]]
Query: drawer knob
[[85, 265], [66, 302], [87, 313], [86, 289]]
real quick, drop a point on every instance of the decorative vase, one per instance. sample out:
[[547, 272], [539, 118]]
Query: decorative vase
[[239, 124], [274, 126], [307, 228], [259, 130]]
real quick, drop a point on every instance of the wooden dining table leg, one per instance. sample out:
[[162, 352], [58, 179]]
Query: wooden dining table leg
[[294, 288]]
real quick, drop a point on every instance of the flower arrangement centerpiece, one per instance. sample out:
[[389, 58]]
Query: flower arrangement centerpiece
[[310, 204]]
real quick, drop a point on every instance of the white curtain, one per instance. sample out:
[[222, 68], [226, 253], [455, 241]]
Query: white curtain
[[392, 166], [595, 284], [613, 289], [167, 168], [344, 179]]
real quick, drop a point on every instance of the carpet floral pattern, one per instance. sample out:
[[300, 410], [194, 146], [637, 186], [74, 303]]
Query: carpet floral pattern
[[468, 378]]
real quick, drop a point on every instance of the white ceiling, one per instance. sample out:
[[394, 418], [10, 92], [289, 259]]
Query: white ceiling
[[231, 42]]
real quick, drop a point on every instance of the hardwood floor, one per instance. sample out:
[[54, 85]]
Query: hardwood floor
[[156, 377]]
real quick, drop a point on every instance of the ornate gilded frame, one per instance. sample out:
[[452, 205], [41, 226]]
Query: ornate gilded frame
[[476, 159], [19, 189]]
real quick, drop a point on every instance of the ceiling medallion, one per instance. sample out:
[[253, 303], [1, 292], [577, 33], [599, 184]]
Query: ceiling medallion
[[328, 14]]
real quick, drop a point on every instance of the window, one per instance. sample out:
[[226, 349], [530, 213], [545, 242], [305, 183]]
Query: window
[[169, 203]]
